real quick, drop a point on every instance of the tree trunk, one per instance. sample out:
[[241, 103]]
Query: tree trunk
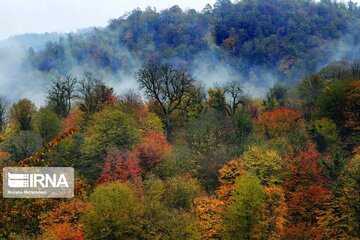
[[167, 127]]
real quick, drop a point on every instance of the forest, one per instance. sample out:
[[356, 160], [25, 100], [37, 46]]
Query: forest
[[177, 159], [189, 163], [289, 38]]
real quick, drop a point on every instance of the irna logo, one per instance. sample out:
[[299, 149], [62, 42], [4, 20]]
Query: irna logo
[[18, 180], [38, 182]]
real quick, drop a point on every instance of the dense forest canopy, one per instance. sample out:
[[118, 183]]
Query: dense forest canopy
[[286, 37], [189, 165]]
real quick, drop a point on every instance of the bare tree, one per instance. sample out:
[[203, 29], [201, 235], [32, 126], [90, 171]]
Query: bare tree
[[61, 93], [355, 68], [3, 112], [93, 93], [170, 87], [131, 99], [234, 96]]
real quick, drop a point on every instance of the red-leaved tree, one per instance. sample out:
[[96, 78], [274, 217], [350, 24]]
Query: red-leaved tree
[[120, 166], [305, 186], [153, 147]]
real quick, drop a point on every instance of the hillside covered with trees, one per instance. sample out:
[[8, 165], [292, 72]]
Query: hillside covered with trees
[[189, 163], [287, 38], [178, 159]]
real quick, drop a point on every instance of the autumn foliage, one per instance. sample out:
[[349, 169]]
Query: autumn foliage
[[153, 147], [352, 106], [280, 122], [129, 165], [229, 167], [305, 186], [72, 120], [275, 213], [120, 166], [227, 177], [64, 222], [209, 210]]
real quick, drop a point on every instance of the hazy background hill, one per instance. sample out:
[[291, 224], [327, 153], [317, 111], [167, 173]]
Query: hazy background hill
[[261, 42], [30, 40]]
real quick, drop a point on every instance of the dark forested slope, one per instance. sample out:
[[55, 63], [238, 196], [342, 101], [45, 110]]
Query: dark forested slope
[[287, 37]]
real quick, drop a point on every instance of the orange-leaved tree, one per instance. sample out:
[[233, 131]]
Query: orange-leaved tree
[[210, 214], [280, 122], [64, 222], [274, 212], [227, 178]]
